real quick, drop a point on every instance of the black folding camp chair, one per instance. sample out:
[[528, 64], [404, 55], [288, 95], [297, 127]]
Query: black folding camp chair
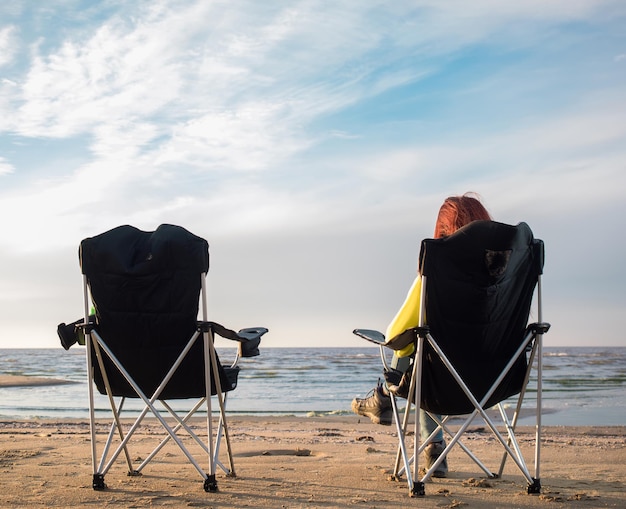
[[144, 340], [474, 347]]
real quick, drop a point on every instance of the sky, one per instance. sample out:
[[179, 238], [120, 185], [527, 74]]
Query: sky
[[311, 143]]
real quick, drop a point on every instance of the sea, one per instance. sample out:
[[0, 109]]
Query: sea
[[581, 385]]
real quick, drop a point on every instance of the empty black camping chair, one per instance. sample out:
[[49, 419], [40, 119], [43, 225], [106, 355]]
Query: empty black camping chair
[[474, 347], [142, 293]]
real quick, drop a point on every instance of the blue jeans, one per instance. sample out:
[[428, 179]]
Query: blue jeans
[[427, 425]]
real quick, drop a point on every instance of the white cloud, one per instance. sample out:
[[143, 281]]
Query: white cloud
[[8, 44], [5, 167], [83, 86]]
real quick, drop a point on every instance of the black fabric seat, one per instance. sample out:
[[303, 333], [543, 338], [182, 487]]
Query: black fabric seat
[[145, 288], [481, 284]]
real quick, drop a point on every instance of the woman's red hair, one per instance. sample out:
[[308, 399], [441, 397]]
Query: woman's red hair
[[456, 212]]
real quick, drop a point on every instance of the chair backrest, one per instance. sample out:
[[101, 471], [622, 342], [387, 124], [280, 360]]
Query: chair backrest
[[145, 287], [479, 289]]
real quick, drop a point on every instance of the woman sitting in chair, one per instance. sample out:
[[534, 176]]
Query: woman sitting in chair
[[456, 212]]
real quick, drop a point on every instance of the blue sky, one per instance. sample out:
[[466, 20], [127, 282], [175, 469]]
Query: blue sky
[[311, 143]]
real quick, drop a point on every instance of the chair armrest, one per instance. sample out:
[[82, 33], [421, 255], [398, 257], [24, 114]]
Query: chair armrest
[[373, 336], [249, 339]]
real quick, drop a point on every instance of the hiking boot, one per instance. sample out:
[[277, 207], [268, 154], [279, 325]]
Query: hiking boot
[[377, 407], [431, 453], [398, 382]]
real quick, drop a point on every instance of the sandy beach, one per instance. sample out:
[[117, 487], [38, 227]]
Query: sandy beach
[[29, 381], [293, 462]]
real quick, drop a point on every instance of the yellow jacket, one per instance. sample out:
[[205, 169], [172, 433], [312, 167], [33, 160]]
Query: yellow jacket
[[407, 317]]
